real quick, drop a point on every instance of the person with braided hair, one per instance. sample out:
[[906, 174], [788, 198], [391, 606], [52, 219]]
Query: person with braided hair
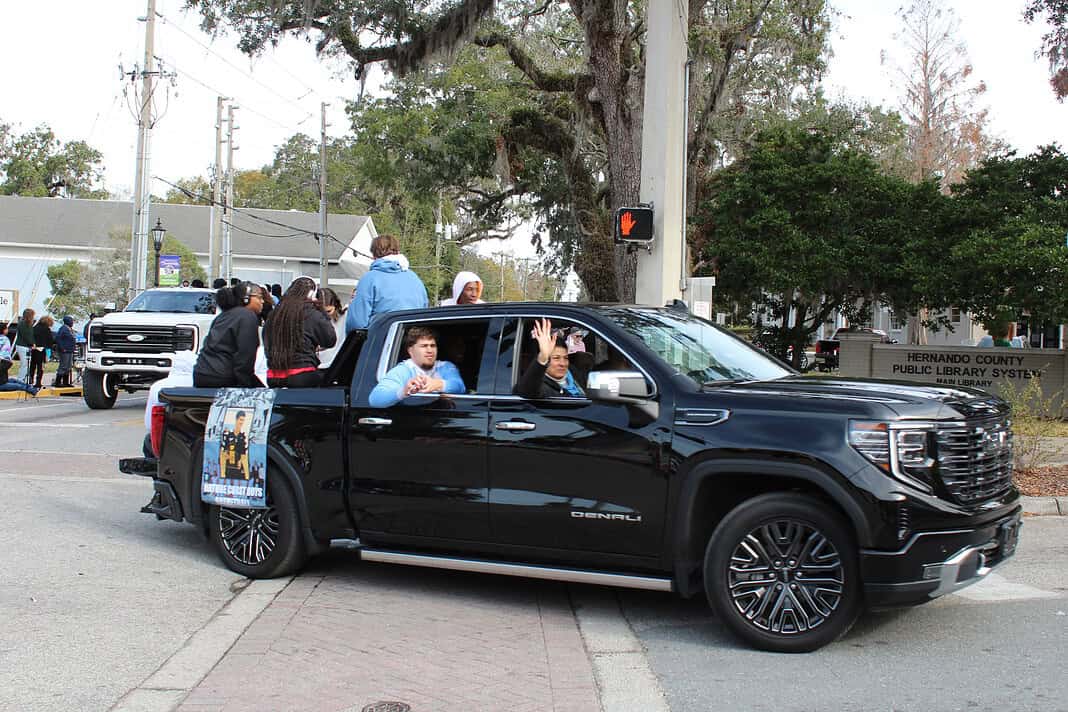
[[296, 330]]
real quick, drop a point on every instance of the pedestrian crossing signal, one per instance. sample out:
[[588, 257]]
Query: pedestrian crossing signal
[[634, 225]]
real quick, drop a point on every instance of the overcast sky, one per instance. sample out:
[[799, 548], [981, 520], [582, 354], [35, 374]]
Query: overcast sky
[[68, 77]]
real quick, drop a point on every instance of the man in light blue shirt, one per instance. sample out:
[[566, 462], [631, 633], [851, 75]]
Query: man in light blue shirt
[[421, 373], [388, 286]]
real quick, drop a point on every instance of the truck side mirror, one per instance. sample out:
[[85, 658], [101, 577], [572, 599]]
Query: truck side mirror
[[617, 386]]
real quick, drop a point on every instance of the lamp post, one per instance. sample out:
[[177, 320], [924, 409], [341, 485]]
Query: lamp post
[[157, 242]]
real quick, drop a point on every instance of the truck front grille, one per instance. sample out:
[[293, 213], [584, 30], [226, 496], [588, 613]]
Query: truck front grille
[[975, 459], [146, 339]]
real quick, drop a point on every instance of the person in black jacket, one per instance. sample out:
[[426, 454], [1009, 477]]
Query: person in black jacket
[[548, 375], [42, 341], [297, 330], [228, 358], [65, 345]]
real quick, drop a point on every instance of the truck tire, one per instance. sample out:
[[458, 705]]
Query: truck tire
[[98, 391], [260, 543], [781, 572]]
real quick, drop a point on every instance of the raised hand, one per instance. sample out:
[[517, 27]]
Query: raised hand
[[543, 334]]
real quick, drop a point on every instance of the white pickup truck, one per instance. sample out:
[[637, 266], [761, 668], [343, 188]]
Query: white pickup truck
[[131, 349]]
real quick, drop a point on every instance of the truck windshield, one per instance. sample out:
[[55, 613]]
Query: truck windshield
[[178, 302], [695, 348]]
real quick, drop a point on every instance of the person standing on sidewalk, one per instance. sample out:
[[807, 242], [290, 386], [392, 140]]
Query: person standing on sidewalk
[[65, 343], [42, 341], [24, 343]]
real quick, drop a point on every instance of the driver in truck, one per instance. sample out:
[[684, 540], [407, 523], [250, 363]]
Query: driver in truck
[[420, 373]]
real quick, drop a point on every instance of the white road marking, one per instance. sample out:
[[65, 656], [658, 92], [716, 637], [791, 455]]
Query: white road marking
[[998, 588], [122, 480], [46, 425]]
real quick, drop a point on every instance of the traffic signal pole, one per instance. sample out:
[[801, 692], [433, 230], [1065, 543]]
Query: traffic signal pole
[[661, 272]]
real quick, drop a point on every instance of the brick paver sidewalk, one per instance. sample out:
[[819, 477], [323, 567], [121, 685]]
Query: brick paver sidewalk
[[360, 633]]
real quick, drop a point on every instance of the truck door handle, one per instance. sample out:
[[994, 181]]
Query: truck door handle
[[375, 421], [515, 425]]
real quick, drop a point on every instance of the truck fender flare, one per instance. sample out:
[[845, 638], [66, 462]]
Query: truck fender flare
[[697, 476], [279, 466], [277, 457]]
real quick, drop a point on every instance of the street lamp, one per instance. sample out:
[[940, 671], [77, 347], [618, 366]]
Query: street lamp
[[157, 241]]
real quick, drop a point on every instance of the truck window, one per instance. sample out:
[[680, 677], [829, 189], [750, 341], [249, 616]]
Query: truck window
[[460, 341], [173, 302], [587, 350]]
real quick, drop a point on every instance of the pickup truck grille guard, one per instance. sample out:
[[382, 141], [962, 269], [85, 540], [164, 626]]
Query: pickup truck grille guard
[[975, 459], [147, 339]]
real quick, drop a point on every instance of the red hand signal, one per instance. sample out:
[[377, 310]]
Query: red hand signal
[[626, 223]]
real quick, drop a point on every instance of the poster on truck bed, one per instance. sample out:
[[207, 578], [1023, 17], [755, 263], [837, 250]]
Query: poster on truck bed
[[235, 448]]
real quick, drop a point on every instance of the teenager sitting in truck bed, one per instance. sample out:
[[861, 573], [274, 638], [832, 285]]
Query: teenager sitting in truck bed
[[420, 373], [297, 330]]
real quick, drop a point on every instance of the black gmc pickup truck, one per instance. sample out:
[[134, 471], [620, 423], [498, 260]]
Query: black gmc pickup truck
[[692, 463]]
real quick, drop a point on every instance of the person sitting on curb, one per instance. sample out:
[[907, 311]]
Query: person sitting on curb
[[548, 375], [466, 289], [420, 373], [388, 286], [10, 384]]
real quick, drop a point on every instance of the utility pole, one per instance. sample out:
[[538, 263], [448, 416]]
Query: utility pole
[[439, 230], [227, 210], [215, 227], [502, 274], [662, 272], [323, 281], [142, 195]]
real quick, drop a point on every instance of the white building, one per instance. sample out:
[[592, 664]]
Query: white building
[[38, 232]]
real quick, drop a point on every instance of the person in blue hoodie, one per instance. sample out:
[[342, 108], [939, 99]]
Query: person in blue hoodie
[[388, 286], [421, 373]]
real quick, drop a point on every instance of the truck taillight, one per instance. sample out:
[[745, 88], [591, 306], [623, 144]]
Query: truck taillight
[[156, 434]]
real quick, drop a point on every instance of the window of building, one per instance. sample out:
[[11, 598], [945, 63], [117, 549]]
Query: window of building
[[954, 315]]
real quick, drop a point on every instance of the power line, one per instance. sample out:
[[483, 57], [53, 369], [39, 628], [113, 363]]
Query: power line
[[299, 231], [246, 107], [237, 68]]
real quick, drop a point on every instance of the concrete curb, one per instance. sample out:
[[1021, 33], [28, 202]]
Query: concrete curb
[[46, 392], [625, 681], [1045, 506], [165, 689]]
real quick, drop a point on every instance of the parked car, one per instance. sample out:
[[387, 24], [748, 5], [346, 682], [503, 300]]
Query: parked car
[[826, 356], [694, 463]]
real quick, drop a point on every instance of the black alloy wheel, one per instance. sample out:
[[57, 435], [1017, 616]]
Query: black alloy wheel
[[781, 573], [260, 543], [249, 535]]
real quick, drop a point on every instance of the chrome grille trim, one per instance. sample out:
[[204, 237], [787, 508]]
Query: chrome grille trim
[[975, 459], [157, 339]]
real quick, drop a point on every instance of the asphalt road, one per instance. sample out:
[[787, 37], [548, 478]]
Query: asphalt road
[[1001, 644], [94, 595]]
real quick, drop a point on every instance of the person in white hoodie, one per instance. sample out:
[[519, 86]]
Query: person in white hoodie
[[466, 289]]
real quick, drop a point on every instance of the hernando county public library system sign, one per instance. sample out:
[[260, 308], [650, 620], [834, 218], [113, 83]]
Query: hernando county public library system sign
[[989, 369]]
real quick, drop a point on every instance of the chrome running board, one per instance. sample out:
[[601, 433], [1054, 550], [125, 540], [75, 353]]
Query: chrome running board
[[648, 583]]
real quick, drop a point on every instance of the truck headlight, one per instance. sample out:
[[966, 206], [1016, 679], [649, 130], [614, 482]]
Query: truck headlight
[[96, 337], [185, 338], [902, 449]]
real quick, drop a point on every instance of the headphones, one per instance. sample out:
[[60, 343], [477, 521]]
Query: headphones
[[246, 288]]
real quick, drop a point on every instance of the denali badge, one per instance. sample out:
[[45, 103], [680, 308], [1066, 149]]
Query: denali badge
[[602, 515], [135, 337]]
